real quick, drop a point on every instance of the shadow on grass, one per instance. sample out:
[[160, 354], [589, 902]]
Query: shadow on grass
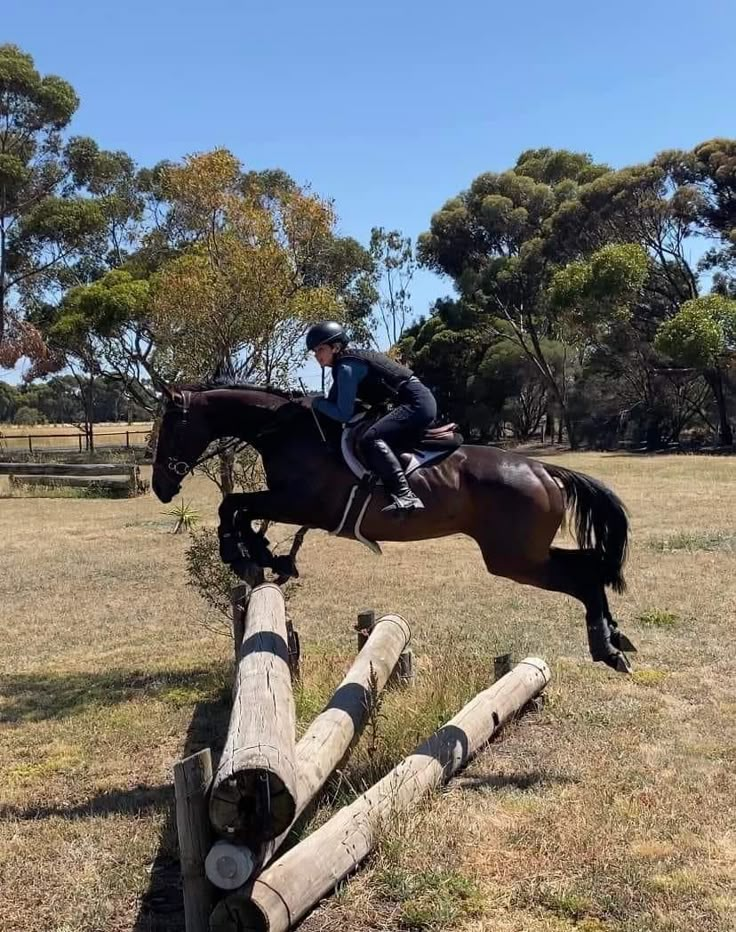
[[513, 781], [30, 698], [40, 697], [161, 907], [137, 800]]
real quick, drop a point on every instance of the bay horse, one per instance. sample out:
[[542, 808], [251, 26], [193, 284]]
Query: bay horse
[[511, 505]]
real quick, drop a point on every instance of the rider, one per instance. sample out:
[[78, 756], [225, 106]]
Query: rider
[[374, 379]]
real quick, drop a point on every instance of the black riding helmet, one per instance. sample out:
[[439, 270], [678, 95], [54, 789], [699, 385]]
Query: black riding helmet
[[326, 331]]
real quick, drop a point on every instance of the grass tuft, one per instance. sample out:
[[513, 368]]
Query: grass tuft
[[692, 542], [658, 618], [648, 677]]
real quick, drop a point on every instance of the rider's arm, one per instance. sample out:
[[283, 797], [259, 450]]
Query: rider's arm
[[349, 376]]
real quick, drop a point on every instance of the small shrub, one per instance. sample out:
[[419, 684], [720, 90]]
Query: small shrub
[[186, 517], [208, 575], [373, 725]]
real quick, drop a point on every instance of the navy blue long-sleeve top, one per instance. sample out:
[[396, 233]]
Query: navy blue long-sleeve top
[[340, 402]]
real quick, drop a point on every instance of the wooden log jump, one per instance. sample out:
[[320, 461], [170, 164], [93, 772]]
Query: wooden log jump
[[119, 478], [68, 469], [231, 826], [403, 674], [254, 790], [122, 484], [327, 741], [286, 890]]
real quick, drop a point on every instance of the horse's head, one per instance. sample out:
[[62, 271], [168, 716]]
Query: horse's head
[[183, 436]]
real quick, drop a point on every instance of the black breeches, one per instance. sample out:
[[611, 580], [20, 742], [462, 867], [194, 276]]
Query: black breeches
[[404, 426]]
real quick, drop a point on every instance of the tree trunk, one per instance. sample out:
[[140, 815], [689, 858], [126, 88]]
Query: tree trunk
[[571, 435], [86, 394], [653, 437], [227, 470], [714, 378], [549, 428], [90, 417], [3, 261]]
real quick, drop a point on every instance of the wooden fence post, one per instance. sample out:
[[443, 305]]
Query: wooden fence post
[[192, 781], [502, 665], [366, 623]]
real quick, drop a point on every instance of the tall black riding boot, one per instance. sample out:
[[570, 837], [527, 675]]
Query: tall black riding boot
[[383, 461]]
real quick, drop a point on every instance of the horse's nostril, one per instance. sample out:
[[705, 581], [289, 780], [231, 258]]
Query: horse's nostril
[[162, 489]]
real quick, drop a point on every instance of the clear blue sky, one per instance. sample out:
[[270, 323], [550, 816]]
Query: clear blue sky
[[389, 107]]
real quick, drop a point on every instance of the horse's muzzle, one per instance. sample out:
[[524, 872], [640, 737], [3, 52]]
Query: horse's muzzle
[[163, 487]]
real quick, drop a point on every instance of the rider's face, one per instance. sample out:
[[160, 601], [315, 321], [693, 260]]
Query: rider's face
[[325, 354]]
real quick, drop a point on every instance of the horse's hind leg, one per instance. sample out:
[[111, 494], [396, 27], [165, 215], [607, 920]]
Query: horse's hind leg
[[619, 640], [576, 573]]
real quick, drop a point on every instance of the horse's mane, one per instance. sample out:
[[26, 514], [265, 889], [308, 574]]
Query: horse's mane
[[244, 386]]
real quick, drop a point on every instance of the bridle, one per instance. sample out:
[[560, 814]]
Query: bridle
[[181, 468]]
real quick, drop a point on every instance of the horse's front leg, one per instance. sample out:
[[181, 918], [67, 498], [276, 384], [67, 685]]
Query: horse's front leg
[[240, 543]]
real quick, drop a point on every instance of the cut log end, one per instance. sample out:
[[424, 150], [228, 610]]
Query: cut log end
[[229, 866], [240, 915], [252, 804]]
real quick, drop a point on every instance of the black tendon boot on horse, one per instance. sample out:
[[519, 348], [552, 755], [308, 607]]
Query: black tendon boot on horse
[[383, 461]]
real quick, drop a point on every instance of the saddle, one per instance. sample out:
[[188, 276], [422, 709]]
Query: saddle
[[436, 444]]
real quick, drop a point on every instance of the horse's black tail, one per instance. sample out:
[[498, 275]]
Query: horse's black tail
[[601, 522]]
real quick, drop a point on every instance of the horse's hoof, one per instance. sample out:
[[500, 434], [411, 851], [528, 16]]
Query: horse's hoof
[[231, 550], [621, 642], [620, 663], [247, 570], [613, 659], [285, 566]]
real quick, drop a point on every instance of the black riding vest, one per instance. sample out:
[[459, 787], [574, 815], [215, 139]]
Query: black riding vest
[[383, 379]]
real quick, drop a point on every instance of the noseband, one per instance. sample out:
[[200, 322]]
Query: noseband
[[181, 468]]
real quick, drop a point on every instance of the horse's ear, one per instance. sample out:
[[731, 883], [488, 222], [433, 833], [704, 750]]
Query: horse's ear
[[167, 391], [224, 373]]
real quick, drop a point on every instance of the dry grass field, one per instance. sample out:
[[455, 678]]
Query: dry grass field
[[612, 810]]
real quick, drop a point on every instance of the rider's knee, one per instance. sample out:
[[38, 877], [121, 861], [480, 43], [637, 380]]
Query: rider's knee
[[225, 509], [368, 439]]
